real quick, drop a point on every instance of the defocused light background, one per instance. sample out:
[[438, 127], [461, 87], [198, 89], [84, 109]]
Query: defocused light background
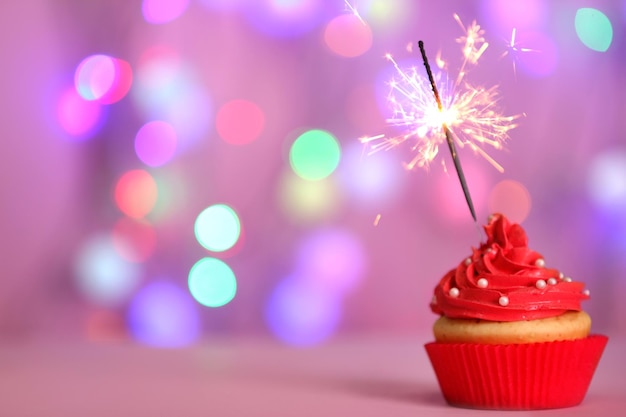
[[177, 170]]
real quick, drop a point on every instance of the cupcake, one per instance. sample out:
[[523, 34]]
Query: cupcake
[[511, 332]]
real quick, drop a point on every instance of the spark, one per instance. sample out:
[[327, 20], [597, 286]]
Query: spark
[[474, 45], [354, 11], [514, 50], [473, 41], [377, 219], [470, 112]]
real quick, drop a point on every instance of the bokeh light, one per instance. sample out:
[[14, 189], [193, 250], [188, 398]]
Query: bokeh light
[[347, 35], [300, 315], [375, 180], [162, 314], [314, 155], [307, 202], [239, 122], [103, 276], [94, 76], [168, 90], [543, 58], [217, 228], [135, 240], [155, 143], [285, 18], [386, 15], [510, 198], [606, 180], [103, 78], [80, 118], [163, 11], [135, 193], [212, 282], [191, 114], [332, 260], [594, 29]]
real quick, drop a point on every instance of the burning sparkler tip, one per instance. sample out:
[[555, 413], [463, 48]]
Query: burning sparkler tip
[[469, 113]]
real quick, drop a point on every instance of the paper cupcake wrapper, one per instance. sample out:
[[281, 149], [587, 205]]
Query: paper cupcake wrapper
[[516, 376]]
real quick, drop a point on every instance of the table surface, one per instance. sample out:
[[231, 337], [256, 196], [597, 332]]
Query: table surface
[[381, 376]]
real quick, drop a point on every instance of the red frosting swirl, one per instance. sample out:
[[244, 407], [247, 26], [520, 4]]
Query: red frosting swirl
[[504, 280]]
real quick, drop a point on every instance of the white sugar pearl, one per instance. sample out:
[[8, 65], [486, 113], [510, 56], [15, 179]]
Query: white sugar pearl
[[561, 275], [503, 301], [454, 292], [567, 279], [587, 293], [551, 281], [468, 261], [541, 284], [540, 263], [482, 283]]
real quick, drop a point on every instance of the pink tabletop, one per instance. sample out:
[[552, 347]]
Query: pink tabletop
[[349, 377]]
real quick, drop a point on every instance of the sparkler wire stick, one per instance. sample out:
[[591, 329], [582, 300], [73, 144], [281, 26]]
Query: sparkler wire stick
[[449, 137]]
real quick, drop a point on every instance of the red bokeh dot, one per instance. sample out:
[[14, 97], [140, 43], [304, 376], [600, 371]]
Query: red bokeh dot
[[348, 36], [239, 122], [510, 198], [135, 193]]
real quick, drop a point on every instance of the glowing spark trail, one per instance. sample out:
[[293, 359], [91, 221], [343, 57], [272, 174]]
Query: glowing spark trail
[[469, 112], [354, 11]]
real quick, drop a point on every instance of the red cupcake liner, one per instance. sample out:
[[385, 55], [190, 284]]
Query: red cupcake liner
[[516, 376]]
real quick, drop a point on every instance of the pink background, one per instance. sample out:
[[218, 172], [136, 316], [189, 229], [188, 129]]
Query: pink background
[[55, 190]]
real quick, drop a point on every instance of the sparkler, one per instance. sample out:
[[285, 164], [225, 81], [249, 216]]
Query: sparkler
[[449, 139], [460, 114]]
